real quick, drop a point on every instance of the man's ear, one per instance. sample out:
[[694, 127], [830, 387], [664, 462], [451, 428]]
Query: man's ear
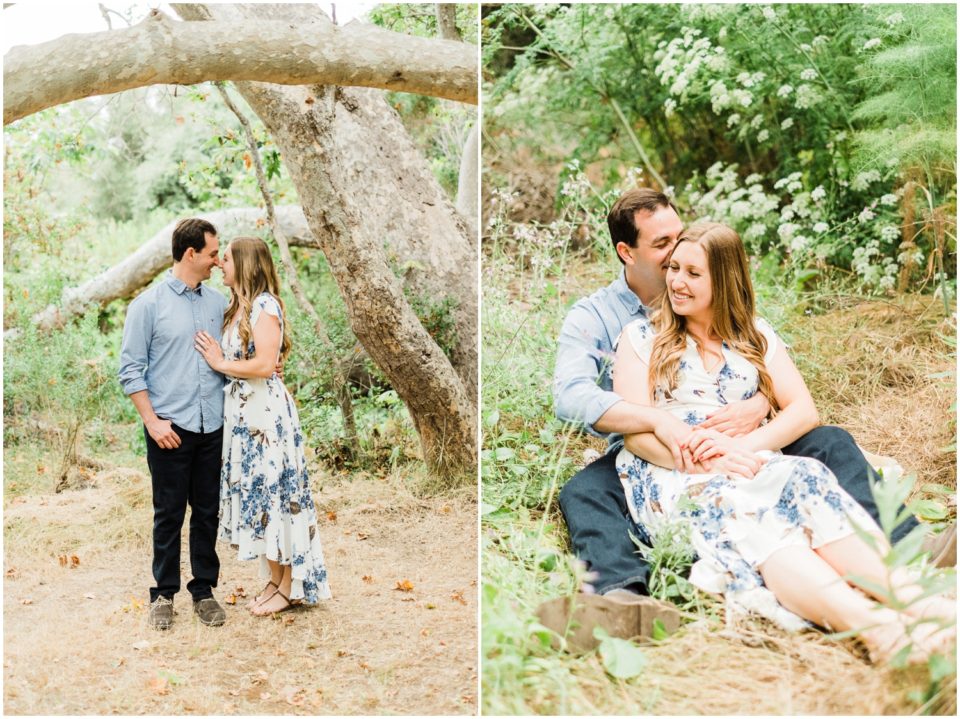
[[623, 251], [189, 254]]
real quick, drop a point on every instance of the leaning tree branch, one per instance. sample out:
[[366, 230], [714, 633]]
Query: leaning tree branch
[[137, 271], [159, 50]]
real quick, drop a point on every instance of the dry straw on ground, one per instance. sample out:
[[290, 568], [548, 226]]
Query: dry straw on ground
[[76, 639]]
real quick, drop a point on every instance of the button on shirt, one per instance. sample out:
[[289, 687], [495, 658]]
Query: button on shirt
[[158, 355], [582, 379]]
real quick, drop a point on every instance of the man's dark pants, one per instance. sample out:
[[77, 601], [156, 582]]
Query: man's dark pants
[[595, 508], [189, 474]]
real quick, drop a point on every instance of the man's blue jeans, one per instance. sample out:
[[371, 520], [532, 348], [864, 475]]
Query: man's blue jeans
[[595, 507]]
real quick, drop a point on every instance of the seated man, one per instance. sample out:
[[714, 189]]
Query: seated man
[[644, 225]]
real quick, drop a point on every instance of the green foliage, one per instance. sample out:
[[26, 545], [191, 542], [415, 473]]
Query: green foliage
[[762, 135]]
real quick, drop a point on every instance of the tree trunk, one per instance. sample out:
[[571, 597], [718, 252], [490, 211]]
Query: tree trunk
[[371, 201], [467, 184], [159, 51], [447, 21]]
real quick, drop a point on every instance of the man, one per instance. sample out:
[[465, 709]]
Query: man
[[644, 225], [180, 400]]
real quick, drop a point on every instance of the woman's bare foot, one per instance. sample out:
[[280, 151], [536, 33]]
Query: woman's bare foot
[[272, 604], [264, 593], [885, 641]]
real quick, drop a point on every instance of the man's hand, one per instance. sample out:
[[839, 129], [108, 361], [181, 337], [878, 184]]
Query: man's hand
[[704, 444], [738, 418], [674, 434], [161, 430]]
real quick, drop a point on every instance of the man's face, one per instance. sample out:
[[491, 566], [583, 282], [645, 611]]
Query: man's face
[[203, 262], [646, 264]]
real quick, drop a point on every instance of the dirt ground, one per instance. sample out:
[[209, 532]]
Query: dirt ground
[[76, 638]]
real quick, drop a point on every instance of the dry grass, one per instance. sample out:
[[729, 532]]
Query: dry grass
[[76, 640]]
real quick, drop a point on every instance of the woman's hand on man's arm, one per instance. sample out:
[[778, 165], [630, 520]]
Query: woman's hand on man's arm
[[738, 418]]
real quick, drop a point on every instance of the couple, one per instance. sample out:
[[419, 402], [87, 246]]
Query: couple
[[222, 432], [705, 394]]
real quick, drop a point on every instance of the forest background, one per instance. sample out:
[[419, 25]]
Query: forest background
[[826, 135], [88, 183]]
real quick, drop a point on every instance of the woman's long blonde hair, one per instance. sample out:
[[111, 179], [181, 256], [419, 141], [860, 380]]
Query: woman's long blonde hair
[[733, 306], [253, 274]]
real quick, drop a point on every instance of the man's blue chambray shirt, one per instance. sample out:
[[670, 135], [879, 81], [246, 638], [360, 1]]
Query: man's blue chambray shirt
[[158, 355], [582, 381]]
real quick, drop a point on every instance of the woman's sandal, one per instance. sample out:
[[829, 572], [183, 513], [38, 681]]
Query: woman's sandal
[[287, 607], [259, 598]]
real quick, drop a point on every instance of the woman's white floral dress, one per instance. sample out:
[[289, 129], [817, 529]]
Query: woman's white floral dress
[[265, 506], [735, 525]]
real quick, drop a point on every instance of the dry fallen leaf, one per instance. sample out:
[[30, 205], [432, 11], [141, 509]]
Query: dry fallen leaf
[[89, 595], [26, 601], [293, 696], [240, 592], [230, 599], [364, 665], [342, 652], [368, 579], [404, 586], [142, 644], [63, 560], [362, 535], [424, 632], [457, 596], [159, 685], [332, 516], [431, 605], [13, 573], [74, 561]]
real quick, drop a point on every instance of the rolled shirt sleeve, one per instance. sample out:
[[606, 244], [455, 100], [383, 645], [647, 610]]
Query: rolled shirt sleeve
[[582, 371], [135, 349]]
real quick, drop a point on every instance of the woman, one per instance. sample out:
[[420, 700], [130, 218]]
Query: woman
[[265, 506], [774, 534]]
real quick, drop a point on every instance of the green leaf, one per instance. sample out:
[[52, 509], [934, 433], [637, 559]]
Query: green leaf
[[621, 659], [547, 437], [941, 667], [502, 454], [659, 631], [929, 509], [492, 418]]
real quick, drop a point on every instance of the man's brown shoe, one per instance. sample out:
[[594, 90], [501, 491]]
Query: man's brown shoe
[[621, 614], [942, 547], [210, 612], [161, 613]]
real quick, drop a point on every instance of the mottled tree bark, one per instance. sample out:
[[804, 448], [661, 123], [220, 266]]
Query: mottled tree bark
[[447, 21], [377, 212]]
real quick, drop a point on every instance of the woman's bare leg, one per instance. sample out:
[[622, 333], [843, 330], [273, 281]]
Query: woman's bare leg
[[807, 585], [853, 557]]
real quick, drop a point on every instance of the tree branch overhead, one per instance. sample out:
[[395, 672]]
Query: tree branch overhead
[[160, 50]]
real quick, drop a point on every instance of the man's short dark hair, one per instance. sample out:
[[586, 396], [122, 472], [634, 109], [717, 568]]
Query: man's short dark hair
[[190, 232], [621, 222]]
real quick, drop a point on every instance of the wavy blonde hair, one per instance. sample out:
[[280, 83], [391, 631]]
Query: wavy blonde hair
[[733, 306], [253, 274]]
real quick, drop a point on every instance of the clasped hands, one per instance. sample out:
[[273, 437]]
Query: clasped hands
[[713, 445]]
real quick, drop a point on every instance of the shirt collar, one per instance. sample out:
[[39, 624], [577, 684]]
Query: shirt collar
[[178, 285], [627, 296]]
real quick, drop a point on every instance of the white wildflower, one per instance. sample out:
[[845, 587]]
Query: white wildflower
[[799, 243], [743, 97], [889, 233], [763, 136], [723, 33], [818, 193], [821, 227], [669, 106], [786, 124], [805, 47], [744, 79], [787, 214], [863, 180], [895, 19], [820, 40], [733, 120], [871, 43], [865, 216], [784, 90], [888, 199], [753, 178], [807, 96], [769, 13], [756, 122], [808, 74]]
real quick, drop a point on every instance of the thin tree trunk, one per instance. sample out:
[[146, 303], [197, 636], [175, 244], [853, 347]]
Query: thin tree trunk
[[447, 21]]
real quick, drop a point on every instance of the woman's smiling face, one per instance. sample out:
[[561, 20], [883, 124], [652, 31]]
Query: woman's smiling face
[[688, 280]]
